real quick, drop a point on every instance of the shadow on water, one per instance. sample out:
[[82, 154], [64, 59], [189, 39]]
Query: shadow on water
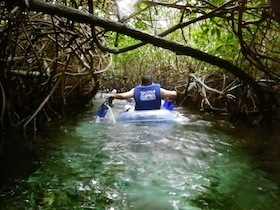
[[19, 157], [194, 165]]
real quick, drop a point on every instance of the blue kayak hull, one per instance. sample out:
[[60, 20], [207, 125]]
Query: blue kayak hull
[[159, 115]]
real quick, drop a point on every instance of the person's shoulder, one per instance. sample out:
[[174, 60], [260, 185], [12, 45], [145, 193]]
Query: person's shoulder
[[156, 84]]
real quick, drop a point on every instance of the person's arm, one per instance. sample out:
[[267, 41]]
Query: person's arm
[[124, 95], [168, 93]]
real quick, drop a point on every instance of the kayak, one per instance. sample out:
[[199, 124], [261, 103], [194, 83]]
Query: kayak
[[157, 115]]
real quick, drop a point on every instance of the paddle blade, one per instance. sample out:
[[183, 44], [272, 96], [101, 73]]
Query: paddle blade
[[168, 104], [102, 111]]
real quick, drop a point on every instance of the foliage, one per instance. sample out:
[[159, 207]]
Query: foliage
[[241, 37], [243, 33]]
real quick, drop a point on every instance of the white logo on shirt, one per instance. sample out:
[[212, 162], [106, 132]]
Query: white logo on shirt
[[148, 95]]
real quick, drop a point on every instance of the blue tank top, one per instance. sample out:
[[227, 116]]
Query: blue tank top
[[147, 97]]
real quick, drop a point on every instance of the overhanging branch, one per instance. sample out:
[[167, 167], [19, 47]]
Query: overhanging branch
[[82, 17]]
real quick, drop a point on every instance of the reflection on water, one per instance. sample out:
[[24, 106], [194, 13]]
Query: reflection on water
[[144, 167]]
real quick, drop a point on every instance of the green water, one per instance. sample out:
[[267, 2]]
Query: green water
[[180, 166]]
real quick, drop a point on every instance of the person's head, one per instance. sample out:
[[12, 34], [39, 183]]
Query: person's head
[[146, 80]]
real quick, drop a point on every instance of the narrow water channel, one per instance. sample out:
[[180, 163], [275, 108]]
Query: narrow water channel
[[116, 166]]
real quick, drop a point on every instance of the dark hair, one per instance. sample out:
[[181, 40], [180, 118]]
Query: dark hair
[[147, 80]]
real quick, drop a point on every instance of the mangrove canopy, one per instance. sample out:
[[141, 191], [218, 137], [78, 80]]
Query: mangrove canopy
[[55, 54]]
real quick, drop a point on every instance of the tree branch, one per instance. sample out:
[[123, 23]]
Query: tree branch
[[82, 17]]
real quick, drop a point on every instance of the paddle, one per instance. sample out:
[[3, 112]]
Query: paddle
[[102, 110], [168, 104]]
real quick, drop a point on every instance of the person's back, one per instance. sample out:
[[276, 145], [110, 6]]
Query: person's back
[[147, 97]]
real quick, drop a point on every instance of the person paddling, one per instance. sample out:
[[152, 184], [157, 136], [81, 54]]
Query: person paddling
[[147, 95]]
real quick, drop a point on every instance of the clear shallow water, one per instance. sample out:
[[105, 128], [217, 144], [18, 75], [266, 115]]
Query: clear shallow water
[[190, 165]]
